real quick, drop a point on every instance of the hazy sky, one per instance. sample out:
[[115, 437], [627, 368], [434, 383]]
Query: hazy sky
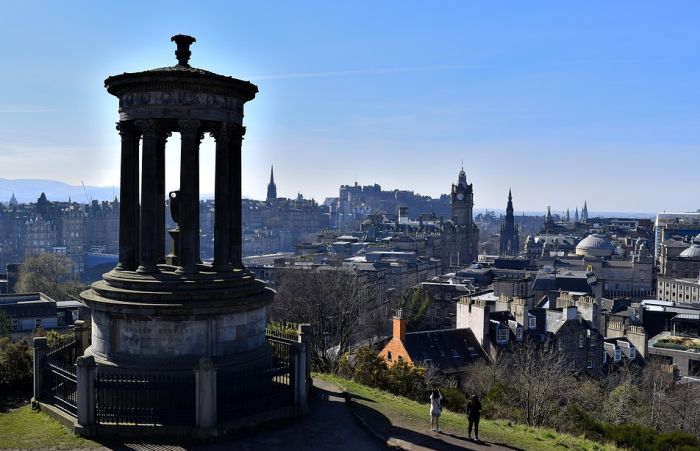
[[561, 103]]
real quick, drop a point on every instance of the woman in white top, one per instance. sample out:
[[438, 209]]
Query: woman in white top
[[435, 410]]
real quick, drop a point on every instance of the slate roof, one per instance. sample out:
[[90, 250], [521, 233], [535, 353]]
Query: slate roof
[[449, 350]]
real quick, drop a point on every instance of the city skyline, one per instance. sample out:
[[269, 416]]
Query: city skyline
[[560, 103]]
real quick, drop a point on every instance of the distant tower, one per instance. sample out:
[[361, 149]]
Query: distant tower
[[568, 216], [584, 212], [576, 215], [13, 201], [510, 241], [271, 187], [460, 238]]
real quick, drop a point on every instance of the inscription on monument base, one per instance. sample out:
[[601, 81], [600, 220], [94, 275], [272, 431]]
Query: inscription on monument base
[[161, 337]]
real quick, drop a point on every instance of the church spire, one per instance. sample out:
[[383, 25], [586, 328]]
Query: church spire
[[271, 187]]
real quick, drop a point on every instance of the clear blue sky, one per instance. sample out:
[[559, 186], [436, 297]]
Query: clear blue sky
[[559, 101]]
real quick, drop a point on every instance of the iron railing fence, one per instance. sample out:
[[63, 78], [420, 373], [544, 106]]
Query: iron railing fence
[[60, 383], [246, 392], [144, 398]]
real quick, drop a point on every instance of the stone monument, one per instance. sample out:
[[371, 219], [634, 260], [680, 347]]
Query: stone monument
[[158, 313]]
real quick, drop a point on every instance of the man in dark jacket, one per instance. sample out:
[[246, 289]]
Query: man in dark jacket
[[473, 415]]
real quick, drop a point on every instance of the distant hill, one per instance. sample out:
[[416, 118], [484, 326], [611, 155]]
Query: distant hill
[[29, 190]]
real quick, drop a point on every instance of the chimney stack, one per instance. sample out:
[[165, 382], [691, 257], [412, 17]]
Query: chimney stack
[[399, 325]]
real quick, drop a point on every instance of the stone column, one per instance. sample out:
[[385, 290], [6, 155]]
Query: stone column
[[188, 222], [235, 190], [205, 386], [85, 374], [222, 205], [82, 336], [150, 197], [160, 179], [129, 197], [40, 349]]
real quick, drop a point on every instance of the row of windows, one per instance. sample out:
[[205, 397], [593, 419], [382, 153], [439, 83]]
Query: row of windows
[[15, 324]]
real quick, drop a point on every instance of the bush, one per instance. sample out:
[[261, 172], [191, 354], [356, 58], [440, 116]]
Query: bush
[[453, 399], [676, 441], [368, 368], [404, 379], [15, 370]]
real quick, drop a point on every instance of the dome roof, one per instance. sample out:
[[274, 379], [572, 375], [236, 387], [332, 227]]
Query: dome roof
[[692, 252], [595, 246], [697, 238]]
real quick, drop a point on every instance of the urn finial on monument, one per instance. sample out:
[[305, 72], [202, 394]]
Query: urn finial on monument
[[183, 52]]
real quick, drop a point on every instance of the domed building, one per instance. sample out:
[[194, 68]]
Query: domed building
[[595, 245], [693, 252]]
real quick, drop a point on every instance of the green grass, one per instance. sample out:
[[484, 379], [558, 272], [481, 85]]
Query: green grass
[[413, 415], [24, 428]]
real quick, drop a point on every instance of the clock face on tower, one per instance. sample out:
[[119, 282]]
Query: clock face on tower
[[460, 196]]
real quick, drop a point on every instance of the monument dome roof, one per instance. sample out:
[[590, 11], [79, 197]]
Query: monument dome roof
[[595, 245], [692, 252]]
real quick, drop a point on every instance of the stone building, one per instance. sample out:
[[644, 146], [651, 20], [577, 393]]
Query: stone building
[[460, 235], [679, 259], [499, 322], [684, 290]]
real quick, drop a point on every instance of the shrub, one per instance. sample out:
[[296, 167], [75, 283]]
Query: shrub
[[405, 380], [368, 368], [15, 369], [453, 399], [631, 436], [676, 441]]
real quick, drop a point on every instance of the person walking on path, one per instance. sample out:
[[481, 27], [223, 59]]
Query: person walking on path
[[435, 410], [473, 415]]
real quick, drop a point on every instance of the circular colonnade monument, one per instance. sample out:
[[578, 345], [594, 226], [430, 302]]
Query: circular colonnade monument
[[166, 312]]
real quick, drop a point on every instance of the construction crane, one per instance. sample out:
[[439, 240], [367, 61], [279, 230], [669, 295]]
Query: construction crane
[[89, 199]]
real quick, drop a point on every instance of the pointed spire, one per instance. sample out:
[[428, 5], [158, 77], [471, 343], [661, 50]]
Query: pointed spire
[[272, 174], [510, 195]]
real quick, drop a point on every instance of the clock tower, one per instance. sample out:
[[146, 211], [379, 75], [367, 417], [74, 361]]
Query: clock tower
[[460, 236], [462, 201]]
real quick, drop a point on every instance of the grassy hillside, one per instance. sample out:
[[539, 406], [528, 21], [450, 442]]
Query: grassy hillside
[[377, 405], [25, 429]]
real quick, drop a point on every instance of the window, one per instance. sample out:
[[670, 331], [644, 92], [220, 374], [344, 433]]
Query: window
[[560, 344], [519, 333], [592, 341], [37, 323], [605, 357], [15, 324], [590, 363], [388, 355], [502, 335], [531, 322], [633, 353], [581, 341], [618, 355]]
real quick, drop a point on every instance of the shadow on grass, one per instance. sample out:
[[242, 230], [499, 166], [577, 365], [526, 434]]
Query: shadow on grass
[[306, 432], [382, 426]]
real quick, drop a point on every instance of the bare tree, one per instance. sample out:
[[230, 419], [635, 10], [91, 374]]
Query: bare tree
[[333, 301], [540, 381], [481, 376], [50, 274]]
